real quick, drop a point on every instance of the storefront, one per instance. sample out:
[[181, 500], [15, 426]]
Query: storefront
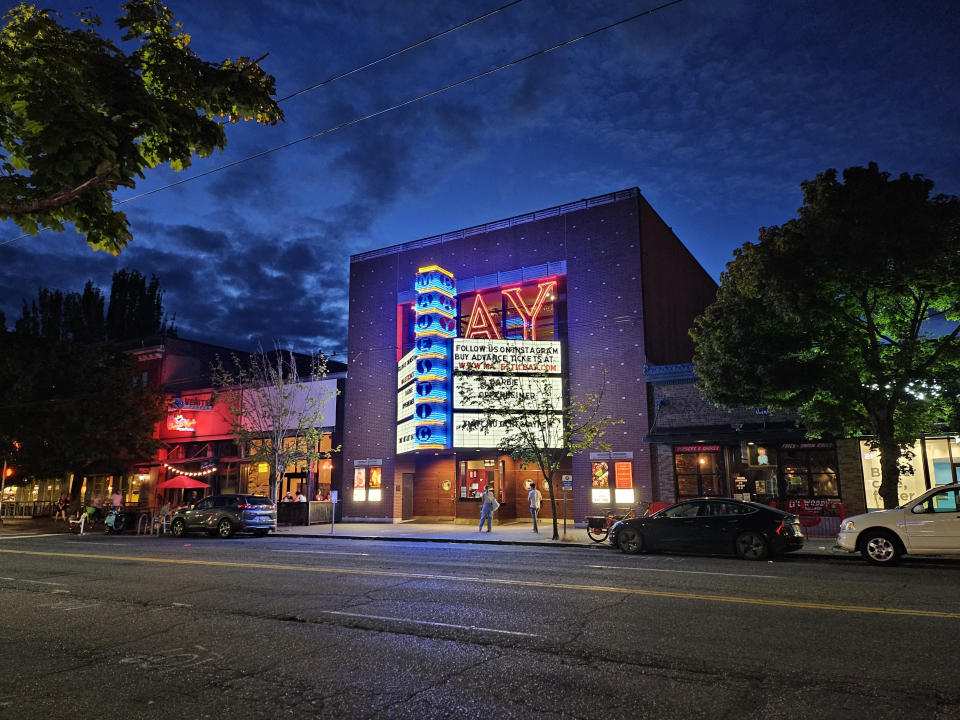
[[933, 460], [463, 319]]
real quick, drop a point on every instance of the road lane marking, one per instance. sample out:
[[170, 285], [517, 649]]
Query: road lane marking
[[24, 537], [38, 582], [427, 622], [504, 582], [322, 552], [688, 572]]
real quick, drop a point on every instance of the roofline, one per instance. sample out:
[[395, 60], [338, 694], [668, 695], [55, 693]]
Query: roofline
[[499, 224]]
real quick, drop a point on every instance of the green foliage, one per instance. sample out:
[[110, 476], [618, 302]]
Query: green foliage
[[847, 315], [80, 117], [535, 429], [73, 407], [276, 401], [135, 311]]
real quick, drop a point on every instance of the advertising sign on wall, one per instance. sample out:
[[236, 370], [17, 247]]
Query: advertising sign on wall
[[516, 356], [469, 393], [463, 438]]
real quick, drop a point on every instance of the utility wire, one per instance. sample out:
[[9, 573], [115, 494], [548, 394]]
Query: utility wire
[[403, 103], [400, 52], [357, 69]]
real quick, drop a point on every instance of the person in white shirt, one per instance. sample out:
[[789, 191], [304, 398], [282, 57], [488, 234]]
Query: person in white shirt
[[301, 497], [534, 497], [489, 506]]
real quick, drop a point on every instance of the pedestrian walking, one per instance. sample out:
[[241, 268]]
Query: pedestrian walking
[[534, 497], [489, 507]]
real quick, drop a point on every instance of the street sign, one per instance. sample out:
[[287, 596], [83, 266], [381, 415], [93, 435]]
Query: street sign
[[568, 482]]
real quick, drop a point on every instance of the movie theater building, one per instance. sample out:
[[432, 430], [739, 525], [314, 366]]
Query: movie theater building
[[587, 293]]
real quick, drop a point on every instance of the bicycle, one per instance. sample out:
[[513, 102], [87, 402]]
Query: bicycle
[[598, 526]]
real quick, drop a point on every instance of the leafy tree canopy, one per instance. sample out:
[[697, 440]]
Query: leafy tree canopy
[[848, 314], [80, 116], [135, 311]]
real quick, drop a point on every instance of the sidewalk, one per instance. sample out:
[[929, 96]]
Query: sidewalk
[[518, 533]]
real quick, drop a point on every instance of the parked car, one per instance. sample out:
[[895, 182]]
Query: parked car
[[927, 525], [714, 526], [225, 515]]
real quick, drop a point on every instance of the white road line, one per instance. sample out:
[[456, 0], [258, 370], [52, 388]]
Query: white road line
[[38, 582], [426, 622], [321, 552], [24, 537], [688, 572]]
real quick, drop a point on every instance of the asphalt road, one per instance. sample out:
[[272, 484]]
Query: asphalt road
[[142, 627]]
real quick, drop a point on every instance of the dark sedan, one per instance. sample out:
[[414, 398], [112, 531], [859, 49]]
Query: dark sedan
[[712, 526]]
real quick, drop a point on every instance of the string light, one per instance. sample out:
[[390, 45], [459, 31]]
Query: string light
[[201, 473]]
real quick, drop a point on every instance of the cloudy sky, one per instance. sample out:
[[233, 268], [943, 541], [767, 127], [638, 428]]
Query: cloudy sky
[[715, 109]]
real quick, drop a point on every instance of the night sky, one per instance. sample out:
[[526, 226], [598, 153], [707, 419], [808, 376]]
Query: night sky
[[715, 109]]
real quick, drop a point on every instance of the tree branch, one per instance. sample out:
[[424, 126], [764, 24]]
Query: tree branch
[[63, 197]]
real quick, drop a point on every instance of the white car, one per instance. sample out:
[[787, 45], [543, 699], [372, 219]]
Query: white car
[[927, 525]]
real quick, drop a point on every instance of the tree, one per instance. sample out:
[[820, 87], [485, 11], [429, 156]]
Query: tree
[[276, 402], [71, 407], [847, 315], [535, 426], [136, 308], [80, 117], [135, 311]]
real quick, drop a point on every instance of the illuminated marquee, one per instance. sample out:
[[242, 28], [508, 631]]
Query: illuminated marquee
[[436, 326]]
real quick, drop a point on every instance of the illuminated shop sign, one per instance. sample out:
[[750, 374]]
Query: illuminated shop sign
[[176, 421], [515, 356], [463, 438], [191, 404], [435, 328], [469, 392]]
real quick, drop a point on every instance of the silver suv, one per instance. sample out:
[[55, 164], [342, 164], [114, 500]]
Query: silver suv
[[224, 515]]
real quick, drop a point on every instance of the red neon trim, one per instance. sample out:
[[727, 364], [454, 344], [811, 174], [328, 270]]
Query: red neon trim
[[481, 324], [530, 315]]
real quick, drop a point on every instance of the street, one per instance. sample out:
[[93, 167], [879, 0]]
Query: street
[[146, 627]]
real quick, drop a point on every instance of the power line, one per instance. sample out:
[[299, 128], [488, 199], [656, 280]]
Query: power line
[[400, 52], [398, 105], [403, 103]]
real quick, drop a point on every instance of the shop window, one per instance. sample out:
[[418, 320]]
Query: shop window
[[810, 472], [475, 476], [699, 471], [941, 453], [910, 485]]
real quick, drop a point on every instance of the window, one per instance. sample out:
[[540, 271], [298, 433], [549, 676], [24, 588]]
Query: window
[[204, 504], [683, 510], [600, 482], [944, 501], [810, 470], [699, 471]]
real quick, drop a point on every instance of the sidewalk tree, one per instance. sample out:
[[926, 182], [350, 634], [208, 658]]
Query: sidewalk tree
[[276, 403], [535, 426], [82, 116], [847, 315], [74, 408]]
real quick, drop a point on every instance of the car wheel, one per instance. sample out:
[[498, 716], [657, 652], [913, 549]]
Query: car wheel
[[225, 528], [751, 546], [880, 548], [629, 541], [178, 528], [260, 533]]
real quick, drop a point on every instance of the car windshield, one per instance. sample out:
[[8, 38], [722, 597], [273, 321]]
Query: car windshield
[[258, 500]]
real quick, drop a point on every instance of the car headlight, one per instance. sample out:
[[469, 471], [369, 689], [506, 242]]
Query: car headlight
[[847, 525]]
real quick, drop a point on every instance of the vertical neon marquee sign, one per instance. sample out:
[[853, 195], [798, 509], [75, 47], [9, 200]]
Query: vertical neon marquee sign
[[436, 326]]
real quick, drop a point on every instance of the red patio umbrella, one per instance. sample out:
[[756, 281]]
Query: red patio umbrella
[[181, 481]]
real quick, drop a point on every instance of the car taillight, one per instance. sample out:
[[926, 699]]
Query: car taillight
[[243, 506]]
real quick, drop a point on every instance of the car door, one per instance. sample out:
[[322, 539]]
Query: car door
[[719, 523], [934, 524], [674, 529], [197, 516]]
